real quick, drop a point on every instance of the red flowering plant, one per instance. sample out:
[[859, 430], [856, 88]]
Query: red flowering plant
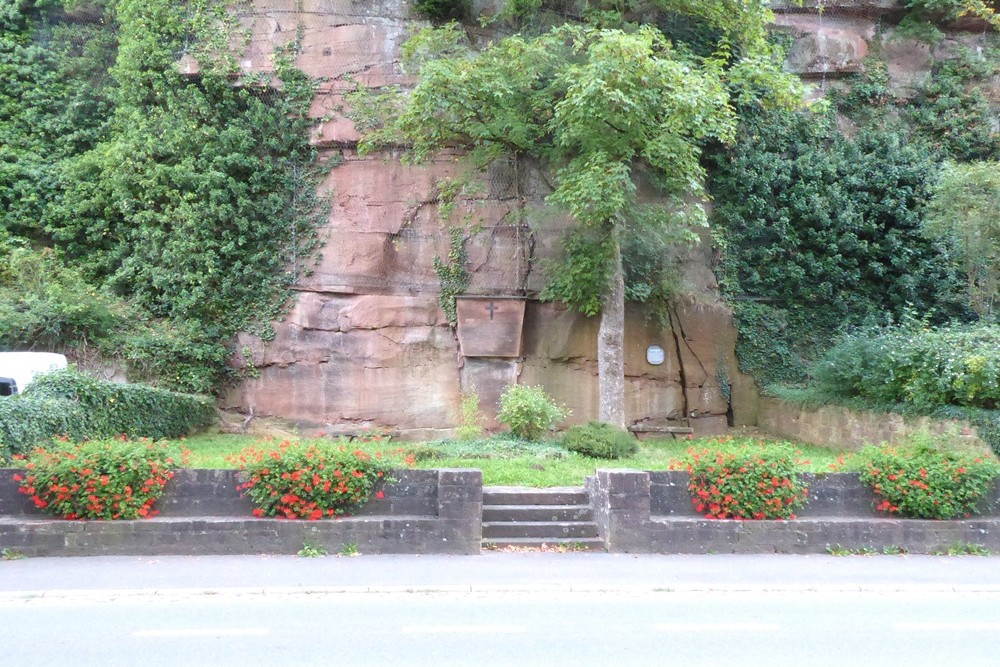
[[925, 481], [99, 479], [745, 482], [313, 480]]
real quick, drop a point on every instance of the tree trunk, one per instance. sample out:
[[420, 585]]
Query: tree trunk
[[611, 346]]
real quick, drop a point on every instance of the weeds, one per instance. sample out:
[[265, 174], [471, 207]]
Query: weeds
[[311, 550]]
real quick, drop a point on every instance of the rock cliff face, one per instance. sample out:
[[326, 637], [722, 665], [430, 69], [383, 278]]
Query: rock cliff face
[[365, 341]]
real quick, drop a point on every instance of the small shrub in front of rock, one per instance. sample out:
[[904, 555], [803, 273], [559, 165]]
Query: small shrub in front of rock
[[751, 483], [313, 480], [529, 411], [99, 479], [926, 482], [600, 441]]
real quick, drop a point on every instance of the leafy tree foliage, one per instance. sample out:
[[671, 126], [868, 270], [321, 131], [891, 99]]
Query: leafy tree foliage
[[964, 213], [820, 231], [595, 104], [54, 104], [188, 197]]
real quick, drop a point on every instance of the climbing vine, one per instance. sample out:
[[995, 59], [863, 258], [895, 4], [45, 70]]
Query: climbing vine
[[818, 231], [187, 196], [453, 274]]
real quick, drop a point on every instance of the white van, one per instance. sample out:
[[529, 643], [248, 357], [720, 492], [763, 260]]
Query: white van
[[18, 369]]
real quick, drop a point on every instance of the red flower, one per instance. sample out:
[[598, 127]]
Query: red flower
[[379, 495]]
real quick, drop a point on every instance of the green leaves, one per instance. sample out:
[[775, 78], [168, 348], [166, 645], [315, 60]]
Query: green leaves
[[926, 481], [529, 411], [583, 273], [822, 231], [964, 214], [189, 198], [68, 403], [912, 364], [312, 480], [100, 479], [749, 483], [595, 105]]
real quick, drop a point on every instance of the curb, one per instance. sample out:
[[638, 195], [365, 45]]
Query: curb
[[113, 595]]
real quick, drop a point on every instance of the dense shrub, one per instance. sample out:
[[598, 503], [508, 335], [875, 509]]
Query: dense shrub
[[926, 482], [750, 483], [69, 403], [25, 422], [817, 229], [957, 365], [312, 480], [100, 479], [601, 441], [529, 411], [179, 210]]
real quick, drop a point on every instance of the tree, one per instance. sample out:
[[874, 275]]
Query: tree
[[597, 106], [964, 213]]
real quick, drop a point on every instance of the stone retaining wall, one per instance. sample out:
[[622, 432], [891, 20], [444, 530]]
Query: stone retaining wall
[[440, 511], [643, 512], [841, 428], [425, 511]]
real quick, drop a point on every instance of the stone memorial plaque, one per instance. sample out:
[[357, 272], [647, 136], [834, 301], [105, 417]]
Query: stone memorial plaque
[[655, 355], [490, 326]]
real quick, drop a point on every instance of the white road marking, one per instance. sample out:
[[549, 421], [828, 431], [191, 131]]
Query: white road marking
[[948, 626], [463, 629], [201, 632], [715, 627]]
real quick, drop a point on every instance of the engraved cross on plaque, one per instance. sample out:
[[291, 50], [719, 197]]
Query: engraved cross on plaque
[[492, 308]]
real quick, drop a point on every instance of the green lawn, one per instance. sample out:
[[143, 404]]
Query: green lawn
[[511, 463]]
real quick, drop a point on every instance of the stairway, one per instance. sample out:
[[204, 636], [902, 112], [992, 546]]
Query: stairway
[[523, 517]]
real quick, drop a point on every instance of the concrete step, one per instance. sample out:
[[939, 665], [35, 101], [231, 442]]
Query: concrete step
[[539, 529], [493, 513], [584, 544], [514, 495]]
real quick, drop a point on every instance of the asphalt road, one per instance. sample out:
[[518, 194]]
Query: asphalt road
[[497, 628]]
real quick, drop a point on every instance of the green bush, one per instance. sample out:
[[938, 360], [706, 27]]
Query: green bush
[[100, 479], [26, 422], [71, 404], [529, 411], [312, 480], [926, 481], [928, 368], [750, 483], [600, 441]]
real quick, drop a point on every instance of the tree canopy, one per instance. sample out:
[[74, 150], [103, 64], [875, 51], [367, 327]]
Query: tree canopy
[[596, 106]]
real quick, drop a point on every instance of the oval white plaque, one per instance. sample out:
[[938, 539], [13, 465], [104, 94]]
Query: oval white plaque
[[655, 355]]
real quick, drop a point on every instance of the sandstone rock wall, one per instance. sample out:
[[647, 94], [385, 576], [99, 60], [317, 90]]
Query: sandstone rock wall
[[365, 342]]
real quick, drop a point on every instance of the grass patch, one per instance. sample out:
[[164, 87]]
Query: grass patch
[[509, 461]]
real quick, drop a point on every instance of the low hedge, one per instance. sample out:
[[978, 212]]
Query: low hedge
[[71, 404], [600, 441], [957, 365]]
